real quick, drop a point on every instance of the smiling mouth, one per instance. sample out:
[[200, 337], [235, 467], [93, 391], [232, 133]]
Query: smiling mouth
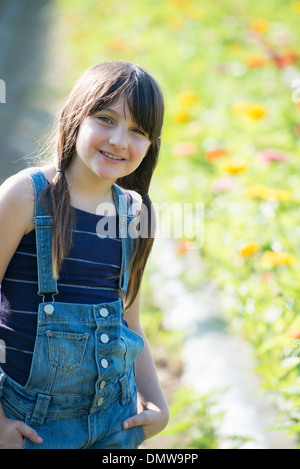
[[112, 157]]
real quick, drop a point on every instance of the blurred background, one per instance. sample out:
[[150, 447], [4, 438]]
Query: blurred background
[[222, 315]]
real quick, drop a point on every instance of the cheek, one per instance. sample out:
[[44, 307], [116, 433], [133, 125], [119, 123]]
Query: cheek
[[140, 154], [84, 139], [143, 150]]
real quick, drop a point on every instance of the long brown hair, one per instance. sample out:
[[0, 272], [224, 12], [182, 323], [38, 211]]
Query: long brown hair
[[101, 85]]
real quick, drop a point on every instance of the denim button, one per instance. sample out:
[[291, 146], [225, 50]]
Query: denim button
[[102, 384], [104, 363], [100, 401], [49, 310], [104, 338], [103, 312]]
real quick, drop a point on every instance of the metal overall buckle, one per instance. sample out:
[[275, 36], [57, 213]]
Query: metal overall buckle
[[49, 308]]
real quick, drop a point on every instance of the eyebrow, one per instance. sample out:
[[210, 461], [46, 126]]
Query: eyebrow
[[112, 111], [105, 109]]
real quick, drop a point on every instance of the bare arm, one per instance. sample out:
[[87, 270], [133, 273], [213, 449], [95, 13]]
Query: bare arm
[[16, 219], [154, 413], [16, 216]]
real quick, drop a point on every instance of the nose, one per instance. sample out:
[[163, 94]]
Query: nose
[[118, 137]]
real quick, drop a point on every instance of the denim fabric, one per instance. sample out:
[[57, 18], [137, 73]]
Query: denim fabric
[[81, 385]]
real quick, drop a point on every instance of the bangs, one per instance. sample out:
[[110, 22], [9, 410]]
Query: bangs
[[140, 91], [146, 107]]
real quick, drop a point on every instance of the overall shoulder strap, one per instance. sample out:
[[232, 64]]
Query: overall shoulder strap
[[125, 217], [43, 227], [40, 183]]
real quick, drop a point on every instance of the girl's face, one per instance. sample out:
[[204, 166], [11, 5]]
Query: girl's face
[[110, 144]]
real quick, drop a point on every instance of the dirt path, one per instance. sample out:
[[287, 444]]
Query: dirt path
[[213, 358]]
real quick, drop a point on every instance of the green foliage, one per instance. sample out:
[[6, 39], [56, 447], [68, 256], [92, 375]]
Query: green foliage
[[191, 424], [194, 422], [231, 140]]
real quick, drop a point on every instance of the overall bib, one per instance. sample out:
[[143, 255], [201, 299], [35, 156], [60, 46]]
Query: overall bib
[[81, 385]]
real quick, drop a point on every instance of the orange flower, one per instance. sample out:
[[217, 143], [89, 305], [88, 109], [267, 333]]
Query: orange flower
[[250, 248], [233, 166], [182, 247], [184, 149], [255, 60], [287, 58], [180, 3], [259, 26], [272, 259], [212, 155], [292, 332], [266, 277], [252, 110], [117, 44]]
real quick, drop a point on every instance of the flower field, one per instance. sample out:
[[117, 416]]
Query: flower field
[[231, 141]]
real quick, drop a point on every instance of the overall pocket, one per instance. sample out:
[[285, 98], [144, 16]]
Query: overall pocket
[[134, 345], [66, 349]]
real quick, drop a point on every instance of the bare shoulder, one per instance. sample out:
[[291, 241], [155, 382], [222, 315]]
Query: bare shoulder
[[19, 187], [17, 200]]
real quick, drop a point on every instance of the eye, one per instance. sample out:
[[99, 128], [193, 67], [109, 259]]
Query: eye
[[140, 132], [105, 119]]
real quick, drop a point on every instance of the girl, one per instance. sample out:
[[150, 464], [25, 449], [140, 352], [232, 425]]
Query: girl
[[77, 361]]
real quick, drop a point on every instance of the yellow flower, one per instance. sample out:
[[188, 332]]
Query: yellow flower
[[250, 248], [233, 166], [181, 116], [259, 26], [252, 110], [279, 194], [295, 6], [263, 192], [258, 190], [272, 259], [176, 23], [195, 12], [187, 98]]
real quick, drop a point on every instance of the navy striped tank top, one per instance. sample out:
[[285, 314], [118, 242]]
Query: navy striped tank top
[[85, 277]]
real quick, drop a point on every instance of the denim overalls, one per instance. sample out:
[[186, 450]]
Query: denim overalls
[[81, 385]]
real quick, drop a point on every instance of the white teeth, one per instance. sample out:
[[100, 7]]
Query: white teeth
[[111, 156]]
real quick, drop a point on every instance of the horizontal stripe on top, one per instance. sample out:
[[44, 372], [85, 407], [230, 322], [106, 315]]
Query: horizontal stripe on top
[[88, 276]]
